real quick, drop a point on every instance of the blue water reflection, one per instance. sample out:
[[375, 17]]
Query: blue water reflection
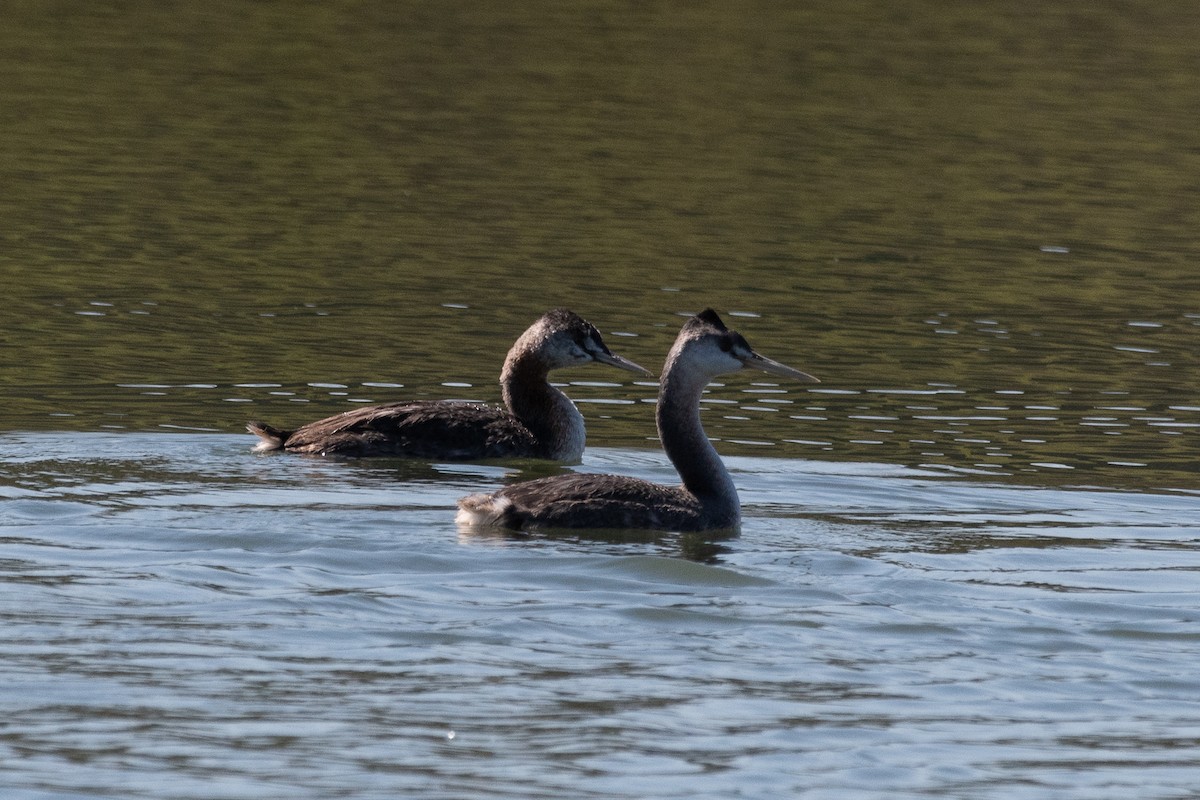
[[289, 626]]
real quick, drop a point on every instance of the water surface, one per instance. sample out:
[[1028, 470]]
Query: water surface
[[187, 621]]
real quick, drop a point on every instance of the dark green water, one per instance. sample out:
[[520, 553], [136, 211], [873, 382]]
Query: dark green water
[[976, 223]]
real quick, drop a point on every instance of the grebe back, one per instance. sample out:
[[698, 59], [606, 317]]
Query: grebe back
[[539, 421], [707, 500]]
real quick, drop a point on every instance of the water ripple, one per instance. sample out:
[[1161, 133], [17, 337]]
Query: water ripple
[[237, 622]]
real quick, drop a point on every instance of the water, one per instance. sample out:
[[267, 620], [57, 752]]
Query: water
[[968, 563], [187, 621]]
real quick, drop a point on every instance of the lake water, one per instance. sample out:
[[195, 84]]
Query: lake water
[[968, 566]]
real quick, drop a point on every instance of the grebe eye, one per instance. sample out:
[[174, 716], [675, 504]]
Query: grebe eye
[[725, 344]]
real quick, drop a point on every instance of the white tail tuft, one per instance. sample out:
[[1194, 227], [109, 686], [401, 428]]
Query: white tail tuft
[[272, 438], [483, 509]]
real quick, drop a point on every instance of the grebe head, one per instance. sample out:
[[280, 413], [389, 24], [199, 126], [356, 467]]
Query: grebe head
[[562, 338], [711, 349]]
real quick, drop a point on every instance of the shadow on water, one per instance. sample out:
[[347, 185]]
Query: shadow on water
[[704, 548], [401, 472]]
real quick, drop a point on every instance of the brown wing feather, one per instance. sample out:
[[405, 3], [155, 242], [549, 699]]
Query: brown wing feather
[[435, 429], [584, 500]]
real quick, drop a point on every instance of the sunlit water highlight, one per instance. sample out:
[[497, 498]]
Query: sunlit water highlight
[[186, 620]]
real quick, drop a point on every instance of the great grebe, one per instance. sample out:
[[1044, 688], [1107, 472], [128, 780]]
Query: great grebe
[[540, 421], [707, 500]]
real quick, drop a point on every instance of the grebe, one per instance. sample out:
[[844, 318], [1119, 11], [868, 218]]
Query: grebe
[[707, 500], [541, 421]]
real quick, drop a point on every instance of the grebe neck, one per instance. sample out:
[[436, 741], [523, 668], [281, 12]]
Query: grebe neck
[[704, 474], [548, 413]]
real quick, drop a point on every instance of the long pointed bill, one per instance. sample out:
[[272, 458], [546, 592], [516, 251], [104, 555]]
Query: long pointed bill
[[775, 368], [614, 360]]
